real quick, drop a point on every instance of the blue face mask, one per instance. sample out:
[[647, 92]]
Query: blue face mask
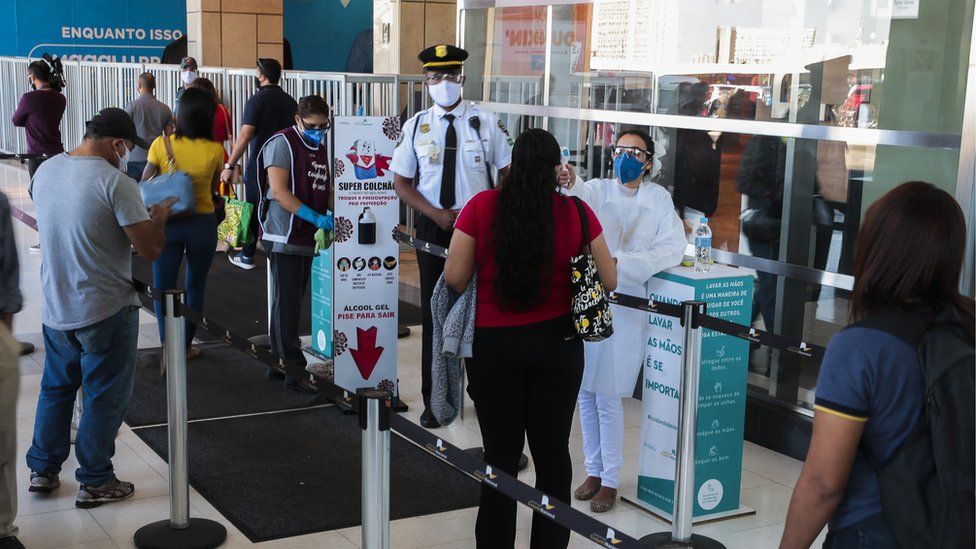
[[627, 168], [314, 137]]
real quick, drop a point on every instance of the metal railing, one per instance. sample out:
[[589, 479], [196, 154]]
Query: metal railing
[[92, 86]]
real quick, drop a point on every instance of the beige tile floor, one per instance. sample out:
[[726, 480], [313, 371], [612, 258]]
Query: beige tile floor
[[54, 522]]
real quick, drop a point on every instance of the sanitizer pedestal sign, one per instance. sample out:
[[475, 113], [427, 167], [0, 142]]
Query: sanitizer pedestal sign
[[721, 397], [354, 285]]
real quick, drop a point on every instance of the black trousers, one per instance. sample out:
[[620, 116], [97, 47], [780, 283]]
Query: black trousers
[[291, 275], [33, 164], [430, 267], [524, 381], [252, 194]]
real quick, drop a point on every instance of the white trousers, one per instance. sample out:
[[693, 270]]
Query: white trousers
[[602, 421]]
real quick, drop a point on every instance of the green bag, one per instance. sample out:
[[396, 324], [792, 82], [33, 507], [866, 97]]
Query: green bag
[[235, 229]]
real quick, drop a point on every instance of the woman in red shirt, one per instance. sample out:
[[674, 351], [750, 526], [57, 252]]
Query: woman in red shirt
[[528, 362]]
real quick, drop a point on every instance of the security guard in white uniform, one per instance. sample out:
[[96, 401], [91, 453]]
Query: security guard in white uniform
[[451, 149]]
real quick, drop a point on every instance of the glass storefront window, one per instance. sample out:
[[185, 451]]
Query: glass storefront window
[[805, 112]]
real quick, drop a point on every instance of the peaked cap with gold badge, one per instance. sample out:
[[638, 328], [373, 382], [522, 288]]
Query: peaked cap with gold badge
[[443, 56]]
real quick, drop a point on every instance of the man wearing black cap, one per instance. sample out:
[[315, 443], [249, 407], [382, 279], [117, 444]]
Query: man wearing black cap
[[446, 155], [267, 112], [91, 311]]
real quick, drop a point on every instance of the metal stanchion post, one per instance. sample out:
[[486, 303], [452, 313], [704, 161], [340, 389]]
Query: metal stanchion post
[[264, 340], [180, 531], [374, 419], [684, 475]]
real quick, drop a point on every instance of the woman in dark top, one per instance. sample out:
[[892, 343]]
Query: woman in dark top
[[870, 390], [528, 363], [39, 113]]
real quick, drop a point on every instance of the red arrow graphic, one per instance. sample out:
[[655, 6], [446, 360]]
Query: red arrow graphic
[[368, 354]]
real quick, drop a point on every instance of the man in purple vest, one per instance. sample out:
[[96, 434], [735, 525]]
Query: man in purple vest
[[295, 181]]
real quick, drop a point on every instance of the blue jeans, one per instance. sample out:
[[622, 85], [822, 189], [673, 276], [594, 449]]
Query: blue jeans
[[135, 169], [101, 359], [870, 533], [196, 237]]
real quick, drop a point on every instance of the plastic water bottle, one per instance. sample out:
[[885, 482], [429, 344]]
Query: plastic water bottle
[[703, 247]]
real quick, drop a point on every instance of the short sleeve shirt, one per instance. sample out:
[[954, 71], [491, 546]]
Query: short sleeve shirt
[[475, 220], [151, 116], [270, 110], [422, 147], [83, 203], [199, 158], [278, 220], [873, 377]]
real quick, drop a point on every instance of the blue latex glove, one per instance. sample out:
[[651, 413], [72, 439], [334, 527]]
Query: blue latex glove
[[322, 221]]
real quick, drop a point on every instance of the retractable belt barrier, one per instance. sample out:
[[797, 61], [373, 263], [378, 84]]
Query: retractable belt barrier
[[561, 513], [381, 418], [22, 157], [748, 333], [326, 388]]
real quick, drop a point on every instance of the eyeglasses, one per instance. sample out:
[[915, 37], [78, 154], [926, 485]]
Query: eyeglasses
[[308, 126], [639, 154], [438, 77]]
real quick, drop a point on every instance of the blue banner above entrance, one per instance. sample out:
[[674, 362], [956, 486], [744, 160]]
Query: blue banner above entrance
[[133, 31]]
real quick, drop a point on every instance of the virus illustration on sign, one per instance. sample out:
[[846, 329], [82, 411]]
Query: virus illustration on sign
[[341, 342], [343, 229], [391, 128], [340, 167], [386, 385], [396, 233]]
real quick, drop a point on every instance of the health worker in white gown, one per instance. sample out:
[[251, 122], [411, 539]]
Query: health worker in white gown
[[645, 236]]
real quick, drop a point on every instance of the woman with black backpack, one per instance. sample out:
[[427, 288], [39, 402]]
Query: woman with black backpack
[[891, 459]]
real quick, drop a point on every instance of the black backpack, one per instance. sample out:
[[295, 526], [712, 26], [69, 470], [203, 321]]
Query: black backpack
[[927, 487]]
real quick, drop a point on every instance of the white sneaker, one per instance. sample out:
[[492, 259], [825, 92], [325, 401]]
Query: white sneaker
[[239, 259]]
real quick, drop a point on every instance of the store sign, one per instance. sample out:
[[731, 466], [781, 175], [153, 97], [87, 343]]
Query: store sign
[[721, 394], [365, 254], [93, 30], [522, 33]]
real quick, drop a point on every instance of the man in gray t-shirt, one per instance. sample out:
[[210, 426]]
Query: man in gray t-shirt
[[89, 214], [151, 117]]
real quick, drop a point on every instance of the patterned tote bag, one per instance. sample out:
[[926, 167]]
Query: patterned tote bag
[[591, 309]]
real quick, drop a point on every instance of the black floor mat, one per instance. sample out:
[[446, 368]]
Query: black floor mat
[[294, 473], [222, 381], [238, 299]]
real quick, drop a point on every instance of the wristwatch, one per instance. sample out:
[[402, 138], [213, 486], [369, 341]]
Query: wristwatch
[[228, 166]]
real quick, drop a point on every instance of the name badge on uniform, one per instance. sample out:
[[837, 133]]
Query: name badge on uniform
[[424, 149], [473, 154]]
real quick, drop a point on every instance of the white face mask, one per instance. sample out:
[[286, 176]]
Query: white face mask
[[445, 94], [189, 76], [123, 159]]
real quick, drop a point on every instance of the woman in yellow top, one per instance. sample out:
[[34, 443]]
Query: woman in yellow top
[[195, 235]]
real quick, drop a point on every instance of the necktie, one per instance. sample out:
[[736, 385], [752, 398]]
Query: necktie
[[450, 163]]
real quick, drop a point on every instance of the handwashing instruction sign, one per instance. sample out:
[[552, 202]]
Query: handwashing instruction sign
[[721, 394], [365, 256]]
